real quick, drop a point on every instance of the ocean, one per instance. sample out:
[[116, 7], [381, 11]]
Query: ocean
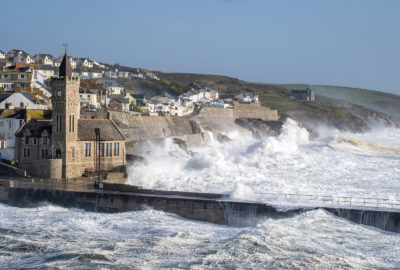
[[336, 164]]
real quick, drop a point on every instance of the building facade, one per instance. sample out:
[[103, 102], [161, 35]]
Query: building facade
[[73, 140]]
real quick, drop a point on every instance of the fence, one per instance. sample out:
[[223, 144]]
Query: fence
[[333, 200]]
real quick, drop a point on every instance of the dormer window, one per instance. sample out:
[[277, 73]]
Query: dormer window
[[26, 140]]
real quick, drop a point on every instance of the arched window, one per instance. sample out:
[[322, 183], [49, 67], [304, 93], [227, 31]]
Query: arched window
[[73, 152], [21, 105]]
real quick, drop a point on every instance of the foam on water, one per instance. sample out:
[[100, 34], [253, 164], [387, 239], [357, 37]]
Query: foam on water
[[50, 236], [336, 164]]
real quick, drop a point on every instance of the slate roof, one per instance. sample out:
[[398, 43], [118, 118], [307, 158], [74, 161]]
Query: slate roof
[[4, 96], [43, 55], [36, 127], [108, 131], [46, 67], [14, 69], [120, 100]]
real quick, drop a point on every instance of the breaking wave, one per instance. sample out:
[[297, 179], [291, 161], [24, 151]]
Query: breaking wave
[[335, 164]]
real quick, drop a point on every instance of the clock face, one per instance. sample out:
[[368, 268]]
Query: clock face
[[59, 93], [72, 94]]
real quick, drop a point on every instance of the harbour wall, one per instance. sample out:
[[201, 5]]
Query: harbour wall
[[197, 207]]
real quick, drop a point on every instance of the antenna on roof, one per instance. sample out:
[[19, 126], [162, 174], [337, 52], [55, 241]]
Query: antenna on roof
[[66, 45]]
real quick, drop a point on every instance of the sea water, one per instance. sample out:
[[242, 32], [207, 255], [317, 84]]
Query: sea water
[[335, 164]]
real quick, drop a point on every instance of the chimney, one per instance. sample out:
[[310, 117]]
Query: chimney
[[19, 65]]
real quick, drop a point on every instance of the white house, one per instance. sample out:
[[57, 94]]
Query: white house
[[247, 98], [2, 55], [123, 74], [10, 122], [22, 100], [44, 59], [112, 87], [95, 75], [38, 82], [209, 93], [88, 98], [151, 75], [46, 71], [111, 74], [97, 64], [84, 75], [21, 58], [84, 62]]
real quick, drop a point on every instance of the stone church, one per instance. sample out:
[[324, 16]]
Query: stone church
[[67, 146]]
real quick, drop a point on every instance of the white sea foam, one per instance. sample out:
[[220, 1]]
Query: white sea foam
[[335, 164], [248, 169], [54, 237]]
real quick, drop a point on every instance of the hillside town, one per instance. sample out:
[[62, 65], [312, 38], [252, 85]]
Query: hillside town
[[27, 94]]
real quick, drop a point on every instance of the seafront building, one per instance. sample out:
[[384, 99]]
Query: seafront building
[[67, 146]]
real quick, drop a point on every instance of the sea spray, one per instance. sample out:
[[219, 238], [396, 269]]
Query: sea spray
[[243, 193], [289, 163]]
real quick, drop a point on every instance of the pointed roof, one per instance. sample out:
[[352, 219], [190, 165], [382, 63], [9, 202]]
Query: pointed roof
[[65, 67]]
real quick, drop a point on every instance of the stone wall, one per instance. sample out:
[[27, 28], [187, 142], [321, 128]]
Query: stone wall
[[140, 128], [46, 168], [145, 132]]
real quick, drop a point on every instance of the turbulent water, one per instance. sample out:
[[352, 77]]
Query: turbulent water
[[336, 164]]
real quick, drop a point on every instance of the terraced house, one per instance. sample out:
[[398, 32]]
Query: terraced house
[[16, 77]]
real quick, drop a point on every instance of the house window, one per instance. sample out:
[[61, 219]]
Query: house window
[[45, 153], [26, 140], [101, 150], [44, 140], [108, 149], [2, 144], [116, 149], [34, 141], [27, 152], [87, 151]]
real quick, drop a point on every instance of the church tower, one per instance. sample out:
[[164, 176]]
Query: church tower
[[66, 111]]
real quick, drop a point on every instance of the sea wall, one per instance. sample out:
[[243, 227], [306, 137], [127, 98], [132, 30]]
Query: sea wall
[[140, 128], [223, 120], [209, 210], [194, 206], [46, 168]]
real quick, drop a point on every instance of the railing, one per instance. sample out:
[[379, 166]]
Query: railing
[[334, 200]]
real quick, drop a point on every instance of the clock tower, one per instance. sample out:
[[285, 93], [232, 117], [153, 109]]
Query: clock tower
[[66, 112]]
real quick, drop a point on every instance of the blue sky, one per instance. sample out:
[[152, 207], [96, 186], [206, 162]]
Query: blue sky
[[343, 42]]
